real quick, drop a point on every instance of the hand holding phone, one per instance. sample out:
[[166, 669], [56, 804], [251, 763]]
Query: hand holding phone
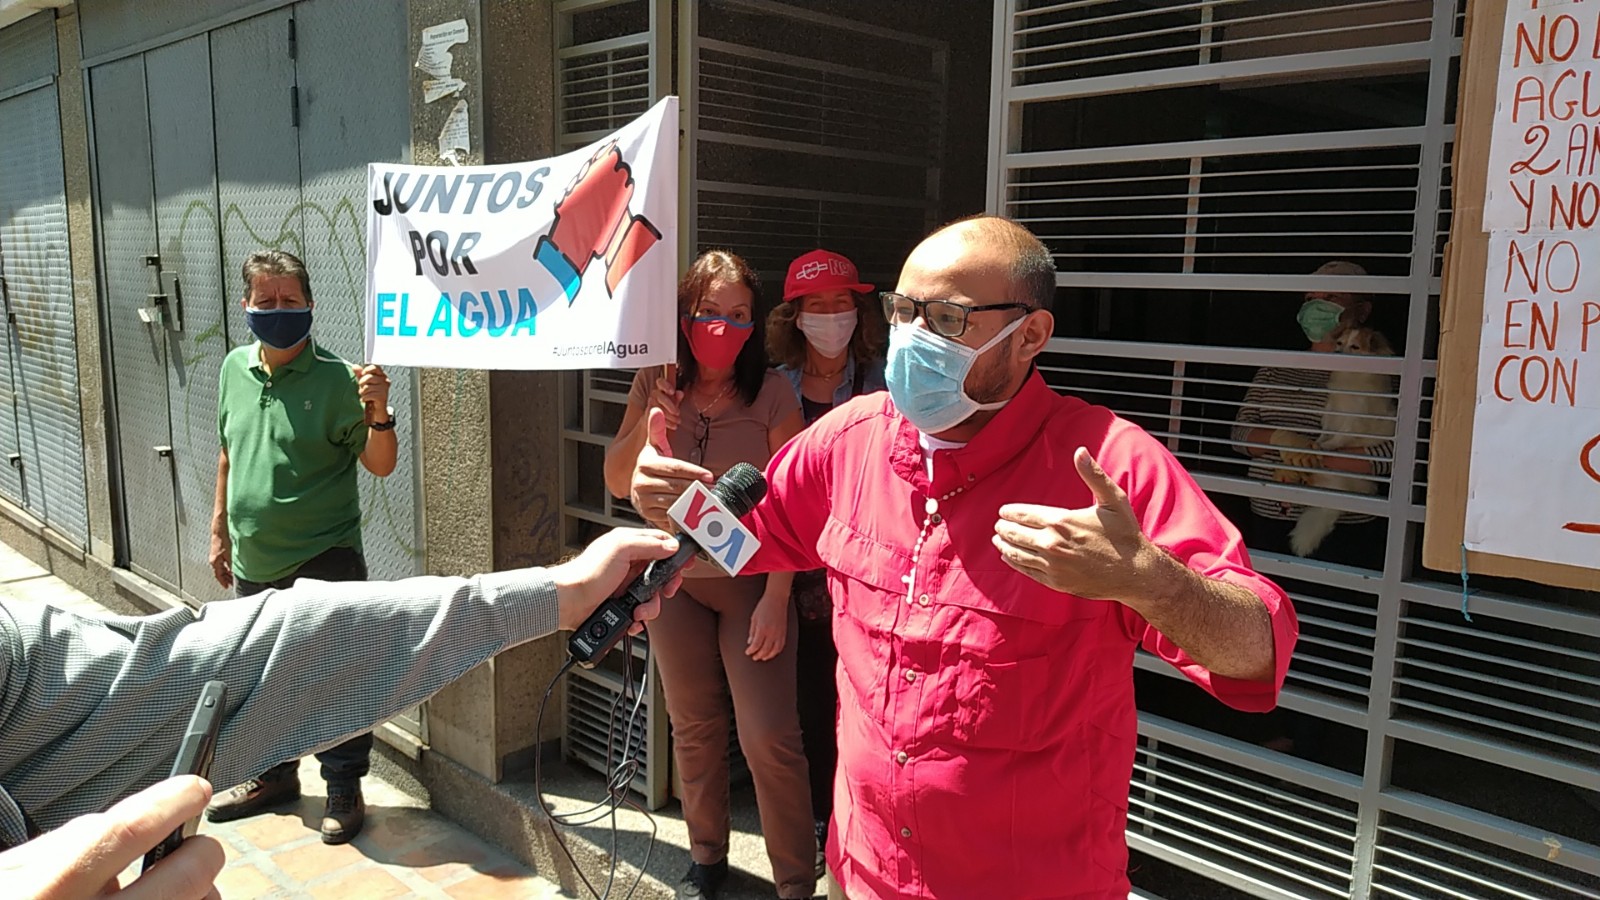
[[195, 751]]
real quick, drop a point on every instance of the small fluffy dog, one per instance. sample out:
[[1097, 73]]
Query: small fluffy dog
[[1360, 414]]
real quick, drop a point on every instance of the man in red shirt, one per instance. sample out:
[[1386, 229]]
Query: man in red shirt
[[996, 552]]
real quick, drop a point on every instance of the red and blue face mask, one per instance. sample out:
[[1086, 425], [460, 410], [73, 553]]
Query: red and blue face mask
[[716, 341]]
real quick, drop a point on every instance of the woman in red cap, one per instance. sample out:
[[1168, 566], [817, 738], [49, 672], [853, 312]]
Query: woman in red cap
[[828, 338], [724, 406]]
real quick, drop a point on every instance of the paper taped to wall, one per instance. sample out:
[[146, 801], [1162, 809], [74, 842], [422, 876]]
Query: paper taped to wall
[[439, 88], [434, 58], [455, 135]]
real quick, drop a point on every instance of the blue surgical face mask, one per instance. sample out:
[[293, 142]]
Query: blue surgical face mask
[[927, 376], [1319, 318], [279, 329]]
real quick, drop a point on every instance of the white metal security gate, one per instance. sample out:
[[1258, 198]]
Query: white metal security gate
[[41, 426], [1189, 163]]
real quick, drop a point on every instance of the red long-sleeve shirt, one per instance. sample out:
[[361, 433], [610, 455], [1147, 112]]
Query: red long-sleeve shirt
[[987, 723]]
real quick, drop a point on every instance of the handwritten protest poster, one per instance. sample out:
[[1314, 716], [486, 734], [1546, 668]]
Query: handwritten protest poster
[[1534, 485], [562, 263]]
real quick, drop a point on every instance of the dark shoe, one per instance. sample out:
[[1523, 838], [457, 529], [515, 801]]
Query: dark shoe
[[257, 795], [346, 813], [821, 826], [703, 882]]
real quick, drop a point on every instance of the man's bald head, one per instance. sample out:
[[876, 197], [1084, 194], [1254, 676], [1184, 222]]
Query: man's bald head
[[1031, 270]]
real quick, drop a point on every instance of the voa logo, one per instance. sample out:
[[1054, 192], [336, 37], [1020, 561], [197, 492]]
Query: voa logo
[[702, 517]]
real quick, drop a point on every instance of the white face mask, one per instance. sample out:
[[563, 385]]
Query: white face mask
[[830, 333]]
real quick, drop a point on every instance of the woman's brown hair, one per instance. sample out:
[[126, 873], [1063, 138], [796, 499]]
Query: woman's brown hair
[[712, 268], [786, 343]]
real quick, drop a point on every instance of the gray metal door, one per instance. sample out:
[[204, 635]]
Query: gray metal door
[[191, 274], [42, 429], [39, 328], [351, 115], [12, 483], [250, 136], [258, 153], [138, 333]]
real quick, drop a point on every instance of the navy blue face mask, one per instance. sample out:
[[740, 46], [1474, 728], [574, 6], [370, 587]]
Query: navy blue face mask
[[279, 329]]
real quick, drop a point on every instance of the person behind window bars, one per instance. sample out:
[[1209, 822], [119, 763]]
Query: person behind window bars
[[996, 552], [827, 337], [1282, 413], [724, 406], [293, 420]]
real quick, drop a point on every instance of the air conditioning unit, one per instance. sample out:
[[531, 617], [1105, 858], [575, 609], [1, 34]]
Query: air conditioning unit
[[598, 728], [596, 721]]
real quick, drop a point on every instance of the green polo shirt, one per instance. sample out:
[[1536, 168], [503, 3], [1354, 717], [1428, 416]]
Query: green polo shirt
[[294, 439]]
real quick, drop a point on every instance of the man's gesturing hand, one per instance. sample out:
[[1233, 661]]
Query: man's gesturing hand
[[83, 858], [605, 567], [658, 479], [1098, 553]]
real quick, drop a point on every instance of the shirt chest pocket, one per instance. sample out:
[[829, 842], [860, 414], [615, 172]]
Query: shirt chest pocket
[[1020, 658], [866, 582]]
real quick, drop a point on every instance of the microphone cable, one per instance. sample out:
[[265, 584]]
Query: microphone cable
[[618, 782]]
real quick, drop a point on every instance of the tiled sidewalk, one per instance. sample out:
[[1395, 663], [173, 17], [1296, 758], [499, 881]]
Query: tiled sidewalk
[[405, 850]]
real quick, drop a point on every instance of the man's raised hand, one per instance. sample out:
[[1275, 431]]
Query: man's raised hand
[[1097, 552]]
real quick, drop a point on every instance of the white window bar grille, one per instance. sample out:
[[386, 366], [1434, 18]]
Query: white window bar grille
[[789, 150], [1156, 230]]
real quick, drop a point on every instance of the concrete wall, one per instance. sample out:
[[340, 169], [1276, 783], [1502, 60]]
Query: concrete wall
[[489, 450], [523, 406], [85, 287]]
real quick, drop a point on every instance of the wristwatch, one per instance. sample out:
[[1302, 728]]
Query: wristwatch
[[384, 426]]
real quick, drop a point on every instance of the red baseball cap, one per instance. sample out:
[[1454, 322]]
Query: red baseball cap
[[822, 270]]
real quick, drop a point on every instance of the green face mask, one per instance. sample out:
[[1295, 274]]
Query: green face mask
[[1318, 318]]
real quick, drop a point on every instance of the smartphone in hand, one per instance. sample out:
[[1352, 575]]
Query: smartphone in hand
[[194, 758]]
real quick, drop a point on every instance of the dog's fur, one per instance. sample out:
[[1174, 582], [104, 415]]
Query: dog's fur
[[1359, 415]]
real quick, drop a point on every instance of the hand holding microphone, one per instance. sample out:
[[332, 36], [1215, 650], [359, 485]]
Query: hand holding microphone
[[608, 564], [709, 521]]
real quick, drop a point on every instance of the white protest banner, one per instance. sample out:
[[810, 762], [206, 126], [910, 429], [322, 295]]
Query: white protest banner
[[1546, 146], [1534, 476], [563, 263], [1533, 486]]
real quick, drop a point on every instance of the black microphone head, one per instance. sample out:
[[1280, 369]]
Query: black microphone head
[[740, 489]]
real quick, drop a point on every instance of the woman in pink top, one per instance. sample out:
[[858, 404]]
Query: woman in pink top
[[722, 407]]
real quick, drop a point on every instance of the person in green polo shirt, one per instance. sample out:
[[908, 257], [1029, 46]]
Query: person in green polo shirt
[[293, 420]]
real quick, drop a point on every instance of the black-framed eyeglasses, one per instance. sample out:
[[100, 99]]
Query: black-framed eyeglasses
[[945, 318], [702, 436]]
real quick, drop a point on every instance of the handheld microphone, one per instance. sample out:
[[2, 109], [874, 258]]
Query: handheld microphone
[[709, 521]]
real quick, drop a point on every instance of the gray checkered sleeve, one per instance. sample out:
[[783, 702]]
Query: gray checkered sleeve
[[91, 710]]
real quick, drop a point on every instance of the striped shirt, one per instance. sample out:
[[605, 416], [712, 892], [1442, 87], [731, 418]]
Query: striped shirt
[[1293, 399], [92, 709]]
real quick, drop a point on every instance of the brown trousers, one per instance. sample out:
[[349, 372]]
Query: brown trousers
[[699, 638]]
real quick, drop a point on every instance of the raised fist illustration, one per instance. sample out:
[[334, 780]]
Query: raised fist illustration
[[592, 222]]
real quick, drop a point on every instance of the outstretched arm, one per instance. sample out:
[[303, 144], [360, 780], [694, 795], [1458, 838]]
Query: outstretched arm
[[93, 708]]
